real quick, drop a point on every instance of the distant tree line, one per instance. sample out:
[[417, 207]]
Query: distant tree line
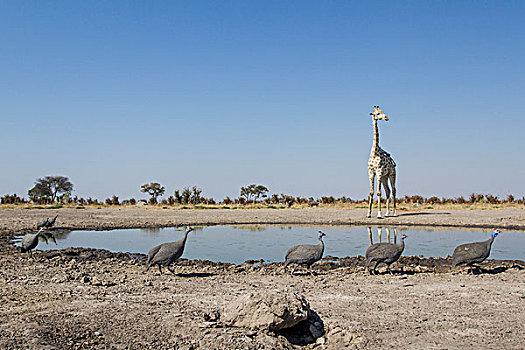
[[58, 189]]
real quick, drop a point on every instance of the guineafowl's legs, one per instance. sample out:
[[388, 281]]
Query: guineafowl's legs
[[368, 261], [375, 267], [173, 272], [160, 270], [473, 268], [388, 269]]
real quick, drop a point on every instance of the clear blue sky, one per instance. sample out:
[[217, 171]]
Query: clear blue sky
[[221, 94]]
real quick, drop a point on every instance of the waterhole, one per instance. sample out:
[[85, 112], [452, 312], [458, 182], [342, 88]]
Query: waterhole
[[236, 244]]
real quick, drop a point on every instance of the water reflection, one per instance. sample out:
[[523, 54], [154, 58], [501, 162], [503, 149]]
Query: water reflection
[[379, 235], [46, 236], [151, 229], [158, 230]]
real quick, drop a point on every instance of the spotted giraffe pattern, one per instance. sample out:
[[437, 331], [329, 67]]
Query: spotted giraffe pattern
[[382, 161], [382, 165]]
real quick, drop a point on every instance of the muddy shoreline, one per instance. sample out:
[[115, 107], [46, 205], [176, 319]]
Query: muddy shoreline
[[95, 299]]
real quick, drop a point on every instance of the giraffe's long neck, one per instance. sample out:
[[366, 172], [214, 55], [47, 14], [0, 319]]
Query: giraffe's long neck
[[375, 144]]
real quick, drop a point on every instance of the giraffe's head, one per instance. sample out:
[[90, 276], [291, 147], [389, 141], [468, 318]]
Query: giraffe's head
[[378, 114]]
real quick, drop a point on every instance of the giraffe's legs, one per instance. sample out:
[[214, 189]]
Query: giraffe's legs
[[379, 180], [393, 184], [371, 176], [395, 236], [384, 181]]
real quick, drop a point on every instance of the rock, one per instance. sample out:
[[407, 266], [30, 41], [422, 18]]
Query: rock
[[316, 331], [268, 311]]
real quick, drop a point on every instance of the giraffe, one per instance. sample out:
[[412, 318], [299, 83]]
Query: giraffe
[[382, 165]]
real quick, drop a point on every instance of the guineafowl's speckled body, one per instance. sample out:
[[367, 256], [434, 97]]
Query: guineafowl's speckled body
[[387, 253], [29, 242], [166, 253], [51, 222], [305, 254], [472, 253]]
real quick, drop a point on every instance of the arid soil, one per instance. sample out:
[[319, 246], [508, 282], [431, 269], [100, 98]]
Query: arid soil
[[94, 299]]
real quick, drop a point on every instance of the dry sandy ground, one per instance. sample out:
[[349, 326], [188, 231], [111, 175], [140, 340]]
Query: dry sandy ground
[[83, 299]]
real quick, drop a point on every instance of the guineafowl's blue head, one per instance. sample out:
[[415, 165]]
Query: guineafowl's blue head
[[495, 233]]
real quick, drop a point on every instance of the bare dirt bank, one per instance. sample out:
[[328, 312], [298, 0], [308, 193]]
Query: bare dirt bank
[[83, 298], [16, 220]]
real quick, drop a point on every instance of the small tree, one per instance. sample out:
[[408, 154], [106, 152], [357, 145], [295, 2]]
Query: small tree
[[177, 197], [434, 200], [11, 199], [260, 191], [49, 187], [186, 195], [154, 189], [196, 195], [254, 191], [247, 192]]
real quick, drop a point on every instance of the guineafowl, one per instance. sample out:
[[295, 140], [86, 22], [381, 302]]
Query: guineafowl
[[387, 253], [166, 253], [51, 222], [30, 241], [472, 253], [42, 223], [305, 254]]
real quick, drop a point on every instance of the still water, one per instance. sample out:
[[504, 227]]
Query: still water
[[237, 244]]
